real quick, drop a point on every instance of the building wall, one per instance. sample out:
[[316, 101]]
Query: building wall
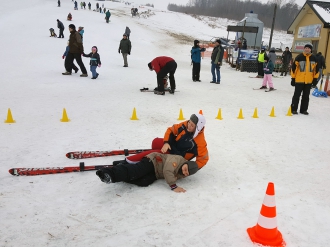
[[311, 19]]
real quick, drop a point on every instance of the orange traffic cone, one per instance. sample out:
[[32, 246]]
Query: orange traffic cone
[[201, 112], [265, 232]]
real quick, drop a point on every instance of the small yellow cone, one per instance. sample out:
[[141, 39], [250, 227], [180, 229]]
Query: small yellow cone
[[289, 114], [134, 117], [272, 113], [181, 115], [240, 115], [201, 112], [219, 115], [9, 117], [65, 117], [255, 114]]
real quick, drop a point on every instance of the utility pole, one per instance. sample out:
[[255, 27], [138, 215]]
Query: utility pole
[[271, 32]]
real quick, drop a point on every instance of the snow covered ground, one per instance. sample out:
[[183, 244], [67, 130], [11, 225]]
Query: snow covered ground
[[222, 200]]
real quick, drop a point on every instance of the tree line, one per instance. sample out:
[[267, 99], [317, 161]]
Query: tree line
[[286, 11]]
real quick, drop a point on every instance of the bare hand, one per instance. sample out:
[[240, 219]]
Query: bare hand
[[165, 147], [179, 190]]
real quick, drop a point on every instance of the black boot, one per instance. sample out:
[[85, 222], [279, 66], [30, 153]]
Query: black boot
[[104, 175]]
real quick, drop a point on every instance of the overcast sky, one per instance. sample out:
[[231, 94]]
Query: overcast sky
[[163, 3]]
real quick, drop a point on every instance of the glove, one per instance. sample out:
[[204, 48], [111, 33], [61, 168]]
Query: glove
[[293, 82], [99, 65], [129, 53], [63, 57], [314, 82], [119, 51]]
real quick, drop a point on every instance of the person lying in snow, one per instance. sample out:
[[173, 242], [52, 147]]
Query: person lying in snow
[[186, 139], [152, 167]]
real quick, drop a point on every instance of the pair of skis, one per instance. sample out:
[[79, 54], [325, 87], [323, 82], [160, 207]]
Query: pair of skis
[[74, 155], [267, 90]]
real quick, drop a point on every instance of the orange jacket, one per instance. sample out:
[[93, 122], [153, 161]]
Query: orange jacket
[[183, 143]]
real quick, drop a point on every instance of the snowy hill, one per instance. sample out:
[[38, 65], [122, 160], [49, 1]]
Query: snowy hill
[[222, 200]]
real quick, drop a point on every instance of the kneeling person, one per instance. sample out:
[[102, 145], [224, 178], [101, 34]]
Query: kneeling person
[[152, 167]]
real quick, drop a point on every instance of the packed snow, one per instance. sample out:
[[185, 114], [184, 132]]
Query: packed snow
[[222, 200]]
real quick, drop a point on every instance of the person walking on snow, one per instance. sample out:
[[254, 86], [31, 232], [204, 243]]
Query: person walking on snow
[[61, 28], [76, 48], [107, 16], [152, 167], [216, 61], [128, 32], [268, 70], [125, 47], [64, 57], [304, 73], [196, 60], [163, 66], [94, 62]]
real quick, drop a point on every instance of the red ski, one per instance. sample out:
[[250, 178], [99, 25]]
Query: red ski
[[94, 154], [53, 170]]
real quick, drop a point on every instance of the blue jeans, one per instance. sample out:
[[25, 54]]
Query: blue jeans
[[93, 70], [215, 68]]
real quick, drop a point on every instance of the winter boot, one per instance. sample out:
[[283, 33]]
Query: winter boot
[[104, 176], [66, 73], [271, 89], [160, 93], [83, 75], [76, 70], [305, 112], [263, 87]]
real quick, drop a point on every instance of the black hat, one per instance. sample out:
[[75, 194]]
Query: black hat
[[196, 42], [310, 46], [149, 65], [72, 26], [194, 119], [192, 167], [218, 41]]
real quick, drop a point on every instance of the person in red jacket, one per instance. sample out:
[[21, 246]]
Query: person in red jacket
[[186, 139], [162, 66]]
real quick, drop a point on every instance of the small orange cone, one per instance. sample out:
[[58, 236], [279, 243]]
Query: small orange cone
[[134, 117], [219, 115], [181, 115], [65, 116], [201, 112], [240, 114], [265, 232], [9, 117]]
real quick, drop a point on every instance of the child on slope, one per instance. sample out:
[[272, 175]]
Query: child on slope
[[94, 62], [268, 70]]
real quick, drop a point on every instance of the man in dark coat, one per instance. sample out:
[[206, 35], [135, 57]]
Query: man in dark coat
[[125, 47], [162, 66], [321, 65], [75, 50], [61, 27], [216, 61], [58, 3], [286, 59]]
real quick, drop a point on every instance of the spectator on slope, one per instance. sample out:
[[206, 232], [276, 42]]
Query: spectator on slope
[[64, 57], [58, 3], [321, 65], [268, 70], [196, 60], [61, 28], [76, 48], [163, 66], [216, 61], [94, 62], [286, 59], [261, 59], [81, 31], [128, 32], [151, 167], [304, 73], [272, 56], [89, 6], [75, 5], [125, 47], [186, 139], [107, 16]]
